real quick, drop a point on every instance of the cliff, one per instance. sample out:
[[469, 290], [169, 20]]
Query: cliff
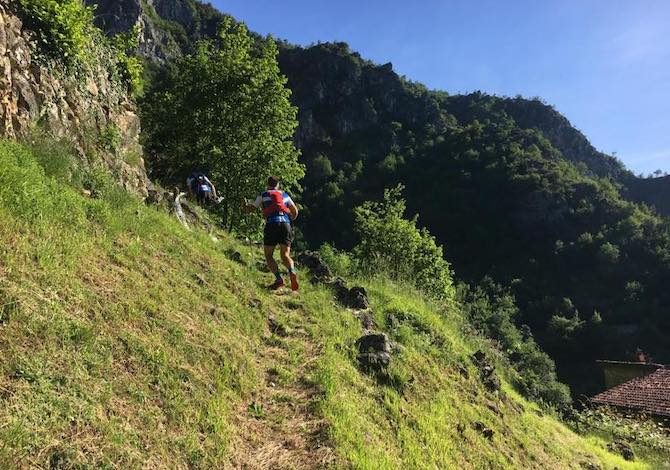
[[90, 108], [167, 27]]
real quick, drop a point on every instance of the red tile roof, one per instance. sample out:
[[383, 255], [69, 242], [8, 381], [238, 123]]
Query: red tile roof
[[650, 394]]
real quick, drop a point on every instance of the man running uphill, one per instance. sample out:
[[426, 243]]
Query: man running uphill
[[279, 210]]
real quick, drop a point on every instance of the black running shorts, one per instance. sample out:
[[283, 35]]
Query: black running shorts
[[278, 234]]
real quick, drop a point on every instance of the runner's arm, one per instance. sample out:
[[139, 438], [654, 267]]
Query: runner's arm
[[293, 209], [208, 181], [252, 206]]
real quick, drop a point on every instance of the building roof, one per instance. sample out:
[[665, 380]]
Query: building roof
[[650, 393], [650, 365]]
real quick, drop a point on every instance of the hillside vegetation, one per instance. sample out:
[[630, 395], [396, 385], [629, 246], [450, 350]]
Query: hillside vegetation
[[128, 341], [515, 194], [132, 341]]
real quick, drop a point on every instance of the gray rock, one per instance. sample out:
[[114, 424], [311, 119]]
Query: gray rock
[[366, 319], [71, 106], [374, 352]]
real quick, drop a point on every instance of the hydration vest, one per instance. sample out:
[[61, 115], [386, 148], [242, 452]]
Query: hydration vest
[[273, 203]]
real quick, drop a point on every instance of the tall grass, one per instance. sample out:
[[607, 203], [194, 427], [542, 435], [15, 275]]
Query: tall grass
[[128, 342]]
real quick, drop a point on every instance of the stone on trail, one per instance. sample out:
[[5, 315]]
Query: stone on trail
[[235, 256], [276, 327], [374, 352]]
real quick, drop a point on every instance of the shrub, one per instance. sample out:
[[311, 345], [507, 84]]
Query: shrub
[[391, 243], [65, 32], [130, 66], [339, 262], [64, 28], [492, 310]]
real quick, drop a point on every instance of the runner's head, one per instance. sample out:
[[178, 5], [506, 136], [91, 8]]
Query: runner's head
[[273, 182]]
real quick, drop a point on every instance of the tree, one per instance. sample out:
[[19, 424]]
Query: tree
[[224, 109]]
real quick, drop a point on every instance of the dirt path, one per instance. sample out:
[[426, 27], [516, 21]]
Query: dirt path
[[279, 427]]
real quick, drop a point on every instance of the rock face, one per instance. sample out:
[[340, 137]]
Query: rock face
[[654, 192], [80, 109], [167, 27]]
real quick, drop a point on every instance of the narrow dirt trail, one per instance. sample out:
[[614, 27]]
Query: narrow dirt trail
[[279, 427]]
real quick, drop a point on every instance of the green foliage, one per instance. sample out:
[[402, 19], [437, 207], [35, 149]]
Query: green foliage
[[506, 186], [131, 67], [64, 27], [492, 310], [565, 328], [392, 244], [647, 435], [140, 342], [110, 138], [66, 33], [223, 109], [340, 262]]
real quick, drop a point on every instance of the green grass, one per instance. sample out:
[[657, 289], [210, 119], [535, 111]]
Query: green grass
[[127, 342]]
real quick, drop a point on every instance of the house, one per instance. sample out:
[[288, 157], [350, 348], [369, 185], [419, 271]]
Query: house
[[618, 372], [636, 386]]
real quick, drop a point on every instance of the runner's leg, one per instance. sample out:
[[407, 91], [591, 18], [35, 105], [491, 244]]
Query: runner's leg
[[270, 259], [285, 253]]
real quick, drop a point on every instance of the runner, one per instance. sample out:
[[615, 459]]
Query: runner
[[279, 210]]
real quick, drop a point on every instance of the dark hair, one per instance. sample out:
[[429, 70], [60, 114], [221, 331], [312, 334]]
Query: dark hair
[[273, 181]]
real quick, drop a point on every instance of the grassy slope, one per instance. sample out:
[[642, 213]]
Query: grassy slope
[[127, 341]]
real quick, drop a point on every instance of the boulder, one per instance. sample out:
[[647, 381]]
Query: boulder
[[317, 268], [356, 297], [374, 352]]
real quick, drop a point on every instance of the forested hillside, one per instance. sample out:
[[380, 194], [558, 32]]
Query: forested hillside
[[512, 191]]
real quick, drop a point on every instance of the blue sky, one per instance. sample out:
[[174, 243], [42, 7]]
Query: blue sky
[[604, 64]]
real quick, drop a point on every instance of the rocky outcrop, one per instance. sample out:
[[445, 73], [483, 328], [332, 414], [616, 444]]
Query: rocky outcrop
[[168, 28], [91, 109], [486, 371], [355, 297]]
